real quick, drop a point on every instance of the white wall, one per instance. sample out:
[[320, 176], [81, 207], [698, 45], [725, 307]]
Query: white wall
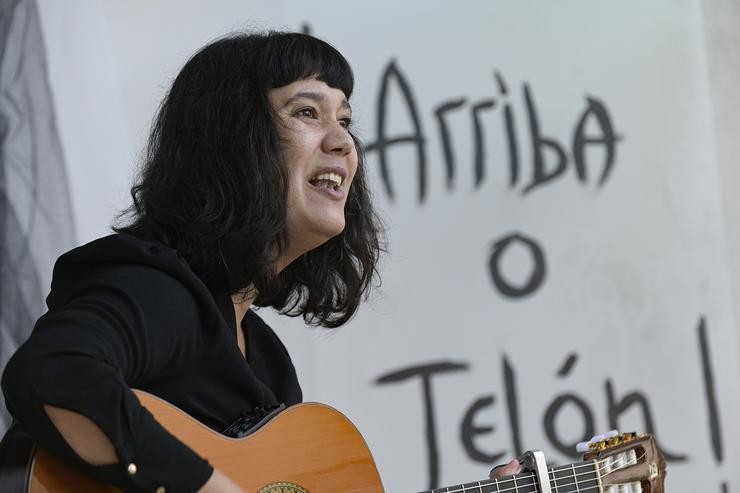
[[632, 266], [722, 37]]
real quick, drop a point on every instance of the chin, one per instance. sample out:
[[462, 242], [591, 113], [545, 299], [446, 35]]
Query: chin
[[314, 233], [330, 233]]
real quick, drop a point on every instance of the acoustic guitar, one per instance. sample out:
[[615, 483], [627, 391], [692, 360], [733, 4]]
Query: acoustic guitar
[[312, 448]]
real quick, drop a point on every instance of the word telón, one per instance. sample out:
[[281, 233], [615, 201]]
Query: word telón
[[471, 432]]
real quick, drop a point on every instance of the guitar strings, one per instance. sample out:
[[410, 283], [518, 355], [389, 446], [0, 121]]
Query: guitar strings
[[600, 469], [602, 466]]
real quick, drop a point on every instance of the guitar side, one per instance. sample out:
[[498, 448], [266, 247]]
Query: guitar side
[[309, 448]]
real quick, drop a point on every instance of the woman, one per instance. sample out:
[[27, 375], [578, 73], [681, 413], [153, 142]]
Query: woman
[[252, 193]]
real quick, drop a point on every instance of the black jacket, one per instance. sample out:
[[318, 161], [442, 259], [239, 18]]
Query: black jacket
[[129, 313]]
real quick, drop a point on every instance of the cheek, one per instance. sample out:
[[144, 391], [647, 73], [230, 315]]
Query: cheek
[[292, 141], [295, 160], [298, 152]]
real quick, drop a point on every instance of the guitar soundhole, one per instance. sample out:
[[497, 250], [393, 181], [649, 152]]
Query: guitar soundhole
[[282, 487]]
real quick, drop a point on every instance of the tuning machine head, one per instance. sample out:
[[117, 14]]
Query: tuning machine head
[[627, 458], [599, 443]]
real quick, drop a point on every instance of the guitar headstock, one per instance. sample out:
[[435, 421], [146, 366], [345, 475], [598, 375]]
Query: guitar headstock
[[629, 458]]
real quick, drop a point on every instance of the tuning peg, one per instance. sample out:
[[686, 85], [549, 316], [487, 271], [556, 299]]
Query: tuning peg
[[583, 447], [599, 442]]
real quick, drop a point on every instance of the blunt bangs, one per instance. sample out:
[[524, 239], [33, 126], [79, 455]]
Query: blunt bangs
[[294, 56]]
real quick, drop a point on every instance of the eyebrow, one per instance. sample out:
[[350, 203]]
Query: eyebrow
[[314, 96]]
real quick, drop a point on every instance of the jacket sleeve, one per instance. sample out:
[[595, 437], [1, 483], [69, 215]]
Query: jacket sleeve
[[128, 326]]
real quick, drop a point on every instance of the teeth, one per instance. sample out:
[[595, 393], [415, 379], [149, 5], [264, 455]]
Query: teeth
[[332, 177]]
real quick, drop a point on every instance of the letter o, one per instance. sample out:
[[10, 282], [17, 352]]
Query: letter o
[[568, 449], [537, 276]]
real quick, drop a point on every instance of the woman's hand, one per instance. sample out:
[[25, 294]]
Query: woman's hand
[[220, 483], [505, 470]]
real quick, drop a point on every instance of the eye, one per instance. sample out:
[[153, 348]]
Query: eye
[[345, 122], [307, 112]]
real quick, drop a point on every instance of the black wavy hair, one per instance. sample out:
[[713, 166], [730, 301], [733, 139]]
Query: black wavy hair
[[213, 184]]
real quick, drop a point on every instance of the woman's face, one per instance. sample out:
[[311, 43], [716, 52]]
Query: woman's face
[[321, 157]]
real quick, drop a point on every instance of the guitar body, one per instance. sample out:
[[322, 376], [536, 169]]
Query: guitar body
[[306, 448]]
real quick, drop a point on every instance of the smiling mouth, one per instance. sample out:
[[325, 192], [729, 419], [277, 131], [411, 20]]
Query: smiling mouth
[[331, 181]]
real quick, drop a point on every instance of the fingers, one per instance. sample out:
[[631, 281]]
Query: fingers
[[505, 470]]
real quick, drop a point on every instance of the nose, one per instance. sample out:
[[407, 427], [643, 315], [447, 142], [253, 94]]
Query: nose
[[337, 140]]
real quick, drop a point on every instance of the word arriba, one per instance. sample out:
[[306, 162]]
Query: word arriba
[[595, 116]]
